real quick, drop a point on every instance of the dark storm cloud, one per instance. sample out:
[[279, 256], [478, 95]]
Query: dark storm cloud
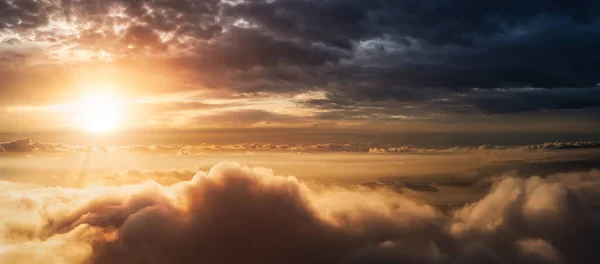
[[430, 102], [246, 48], [523, 100], [461, 44], [25, 14], [359, 52], [414, 51], [462, 23]]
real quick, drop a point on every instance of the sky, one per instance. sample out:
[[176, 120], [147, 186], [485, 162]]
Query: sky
[[320, 66], [299, 131]]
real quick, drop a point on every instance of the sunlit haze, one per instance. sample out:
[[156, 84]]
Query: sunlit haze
[[299, 131], [99, 112]]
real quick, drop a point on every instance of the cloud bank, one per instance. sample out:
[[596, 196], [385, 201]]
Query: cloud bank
[[234, 214], [29, 146], [534, 147]]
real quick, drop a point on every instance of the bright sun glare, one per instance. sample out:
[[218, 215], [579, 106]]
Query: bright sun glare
[[99, 113]]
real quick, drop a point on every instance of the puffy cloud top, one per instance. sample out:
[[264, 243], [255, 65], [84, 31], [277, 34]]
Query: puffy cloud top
[[233, 214]]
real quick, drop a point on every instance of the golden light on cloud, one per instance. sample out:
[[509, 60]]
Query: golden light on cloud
[[99, 112]]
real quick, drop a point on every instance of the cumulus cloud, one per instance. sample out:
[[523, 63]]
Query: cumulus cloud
[[233, 214]]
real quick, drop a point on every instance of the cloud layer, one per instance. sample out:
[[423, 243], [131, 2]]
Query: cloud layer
[[27, 145], [235, 214], [397, 58]]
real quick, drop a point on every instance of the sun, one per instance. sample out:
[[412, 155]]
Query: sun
[[99, 112]]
